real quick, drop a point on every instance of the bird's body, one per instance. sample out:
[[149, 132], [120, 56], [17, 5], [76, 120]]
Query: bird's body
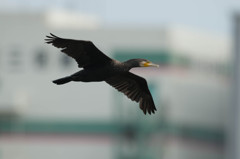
[[98, 74], [99, 67], [93, 74]]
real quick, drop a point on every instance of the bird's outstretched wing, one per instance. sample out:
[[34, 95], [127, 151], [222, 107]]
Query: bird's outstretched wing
[[84, 52], [135, 88]]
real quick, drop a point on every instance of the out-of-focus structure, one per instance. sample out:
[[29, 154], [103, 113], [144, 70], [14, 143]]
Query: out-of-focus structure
[[233, 128], [41, 120]]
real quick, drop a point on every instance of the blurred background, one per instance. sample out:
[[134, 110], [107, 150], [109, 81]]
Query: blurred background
[[195, 89]]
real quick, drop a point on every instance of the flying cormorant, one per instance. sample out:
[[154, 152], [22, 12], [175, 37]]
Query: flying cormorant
[[99, 67]]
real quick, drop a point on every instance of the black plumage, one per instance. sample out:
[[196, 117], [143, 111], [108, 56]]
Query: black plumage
[[99, 67]]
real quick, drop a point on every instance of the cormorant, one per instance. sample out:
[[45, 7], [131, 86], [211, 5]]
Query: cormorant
[[99, 67]]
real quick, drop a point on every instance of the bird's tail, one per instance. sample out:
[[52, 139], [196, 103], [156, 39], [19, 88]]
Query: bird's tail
[[63, 80]]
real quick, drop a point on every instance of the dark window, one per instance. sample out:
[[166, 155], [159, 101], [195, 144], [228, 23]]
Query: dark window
[[41, 59], [15, 58], [65, 60]]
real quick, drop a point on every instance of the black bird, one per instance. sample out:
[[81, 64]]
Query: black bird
[[99, 67]]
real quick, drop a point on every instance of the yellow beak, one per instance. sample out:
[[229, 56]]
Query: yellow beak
[[149, 64]]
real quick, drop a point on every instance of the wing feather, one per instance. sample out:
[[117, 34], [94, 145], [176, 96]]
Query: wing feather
[[85, 53], [135, 88]]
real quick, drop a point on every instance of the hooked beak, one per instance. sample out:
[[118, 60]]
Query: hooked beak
[[150, 64]]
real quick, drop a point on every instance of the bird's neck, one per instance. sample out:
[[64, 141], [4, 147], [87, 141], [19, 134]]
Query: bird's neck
[[130, 64]]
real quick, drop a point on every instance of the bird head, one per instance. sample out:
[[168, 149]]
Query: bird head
[[146, 63], [139, 63]]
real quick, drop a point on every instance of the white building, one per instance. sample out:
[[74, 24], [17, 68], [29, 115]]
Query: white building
[[191, 92]]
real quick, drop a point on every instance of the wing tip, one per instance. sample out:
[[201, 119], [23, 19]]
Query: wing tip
[[147, 107], [149, 111], [53, 35], [50, 38]]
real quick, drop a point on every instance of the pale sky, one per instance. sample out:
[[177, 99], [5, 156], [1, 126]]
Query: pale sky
[[209, 15]]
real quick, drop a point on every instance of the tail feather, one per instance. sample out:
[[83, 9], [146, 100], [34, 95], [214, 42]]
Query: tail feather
[[62, 80]]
